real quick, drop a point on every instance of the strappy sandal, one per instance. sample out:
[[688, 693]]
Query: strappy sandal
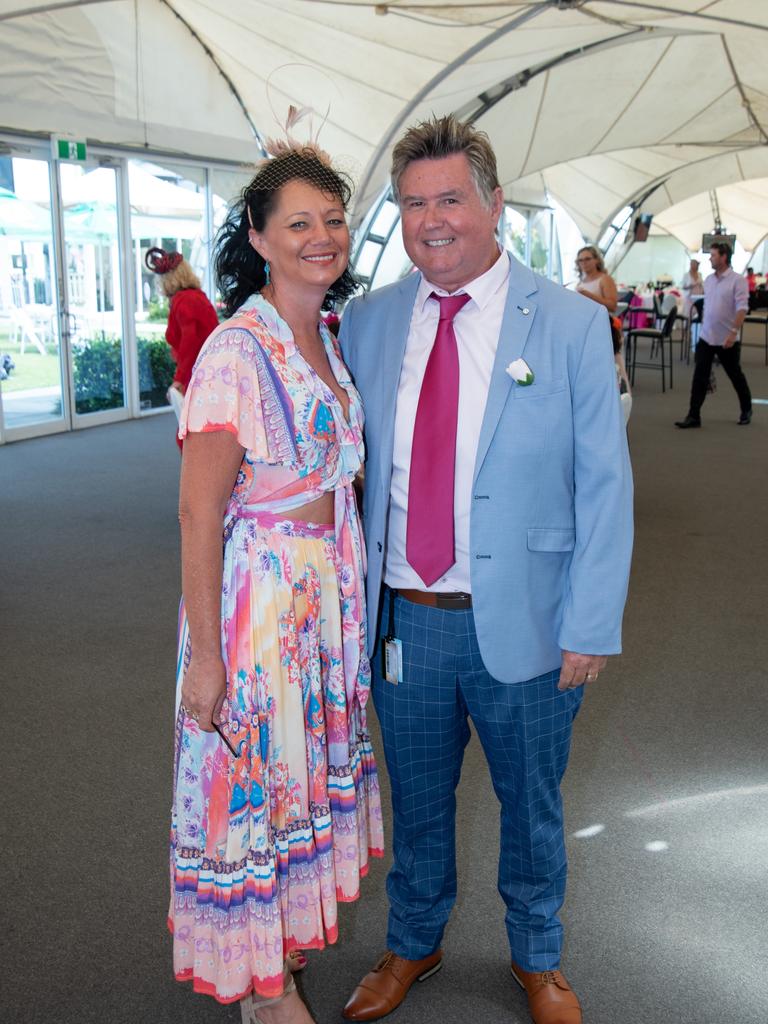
[[249, 1007]]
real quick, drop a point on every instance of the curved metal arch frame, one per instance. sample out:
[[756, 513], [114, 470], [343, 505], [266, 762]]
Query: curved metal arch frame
[[636, 200], [365, 234], [490, 97], [763, 239], [473, 110], [446, 72]]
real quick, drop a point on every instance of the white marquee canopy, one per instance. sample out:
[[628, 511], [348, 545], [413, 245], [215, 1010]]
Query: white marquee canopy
[[597, 103]]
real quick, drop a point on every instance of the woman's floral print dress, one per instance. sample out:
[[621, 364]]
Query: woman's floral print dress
[[265, 844]]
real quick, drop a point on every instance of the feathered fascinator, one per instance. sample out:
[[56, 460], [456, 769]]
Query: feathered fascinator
[[289, 159], [290, 144], [161, 262]]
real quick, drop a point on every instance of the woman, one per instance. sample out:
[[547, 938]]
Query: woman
[[594, 281], [622, 377], [191, 317], [693, 286], [269, 835]]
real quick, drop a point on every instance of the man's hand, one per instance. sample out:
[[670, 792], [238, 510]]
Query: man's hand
[[578, 669], [730, 341]]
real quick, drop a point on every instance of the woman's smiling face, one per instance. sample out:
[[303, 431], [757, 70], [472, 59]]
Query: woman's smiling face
[[305, 238]]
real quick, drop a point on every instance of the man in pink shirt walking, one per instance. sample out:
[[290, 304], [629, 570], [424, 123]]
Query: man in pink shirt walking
[[726, 301]]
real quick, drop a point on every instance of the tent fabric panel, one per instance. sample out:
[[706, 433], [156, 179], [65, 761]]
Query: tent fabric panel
[[578, 106], [72, 73], [49, 60], [697, 178], [544, 38], [74, 70], [181, 92], [666, 101], [724, 118], [514, 119], [743, 208], [114, 131], [528, 191], [585, 197], [339, 34]]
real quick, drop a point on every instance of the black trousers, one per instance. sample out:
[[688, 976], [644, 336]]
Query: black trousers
[[730, 359]]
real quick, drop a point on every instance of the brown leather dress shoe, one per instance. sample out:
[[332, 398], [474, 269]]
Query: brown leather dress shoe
[[551, 999], [386, 986]]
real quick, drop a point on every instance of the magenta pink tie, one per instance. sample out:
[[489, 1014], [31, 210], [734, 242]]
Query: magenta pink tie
[[429, 542]]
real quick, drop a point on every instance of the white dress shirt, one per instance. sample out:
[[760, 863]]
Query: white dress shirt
[[476, 326]]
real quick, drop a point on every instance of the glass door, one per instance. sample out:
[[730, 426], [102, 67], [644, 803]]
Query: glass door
[[168, 211], [32, 367], [92, 320]]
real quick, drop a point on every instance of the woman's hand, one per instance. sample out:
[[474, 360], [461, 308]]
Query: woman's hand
[[204, 690], [209, 468]]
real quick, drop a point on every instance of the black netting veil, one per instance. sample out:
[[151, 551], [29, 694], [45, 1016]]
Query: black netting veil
[[305, 164], [240, 270]]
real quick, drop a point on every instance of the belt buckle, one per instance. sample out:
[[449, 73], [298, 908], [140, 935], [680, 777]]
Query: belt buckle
[[454, 602]]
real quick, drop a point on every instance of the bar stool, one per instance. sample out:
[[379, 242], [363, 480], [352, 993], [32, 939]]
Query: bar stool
[[660, 339]]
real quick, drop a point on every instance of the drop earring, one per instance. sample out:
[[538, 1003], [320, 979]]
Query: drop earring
[[266, 273]]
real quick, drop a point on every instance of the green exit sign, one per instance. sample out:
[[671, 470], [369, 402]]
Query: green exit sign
[[68, 149]]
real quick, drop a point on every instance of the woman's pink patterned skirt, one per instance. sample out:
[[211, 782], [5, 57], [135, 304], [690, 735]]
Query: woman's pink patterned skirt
[[265, 844]]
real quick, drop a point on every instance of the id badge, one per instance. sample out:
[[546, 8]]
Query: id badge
[[392, 654]]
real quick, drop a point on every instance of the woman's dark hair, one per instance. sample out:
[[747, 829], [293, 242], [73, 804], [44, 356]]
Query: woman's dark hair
[[239, 268]]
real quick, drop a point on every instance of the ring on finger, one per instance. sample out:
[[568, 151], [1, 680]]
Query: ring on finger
[[189, 713], [591, 676]]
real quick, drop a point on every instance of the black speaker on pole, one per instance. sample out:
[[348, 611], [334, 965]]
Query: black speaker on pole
[[642, 227]]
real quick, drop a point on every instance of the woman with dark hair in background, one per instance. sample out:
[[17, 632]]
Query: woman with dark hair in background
[[276, 804]]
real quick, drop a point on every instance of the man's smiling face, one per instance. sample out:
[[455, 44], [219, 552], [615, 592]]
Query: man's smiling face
[[448, 231]]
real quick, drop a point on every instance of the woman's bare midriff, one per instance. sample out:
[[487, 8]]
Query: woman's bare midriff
[[318, 511]]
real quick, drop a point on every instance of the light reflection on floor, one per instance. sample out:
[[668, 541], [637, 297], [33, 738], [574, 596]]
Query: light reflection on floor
[[687, 802], [679, 804]]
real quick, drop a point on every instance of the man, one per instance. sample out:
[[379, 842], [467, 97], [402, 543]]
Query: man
[[498, 522], [726, 300], [752, 286]]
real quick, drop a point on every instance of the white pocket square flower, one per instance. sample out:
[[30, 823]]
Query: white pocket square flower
[[521, 373]]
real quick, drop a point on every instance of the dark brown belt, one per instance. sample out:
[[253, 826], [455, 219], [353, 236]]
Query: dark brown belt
[[454, 601]]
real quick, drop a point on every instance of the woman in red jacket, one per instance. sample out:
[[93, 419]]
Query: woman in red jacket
[[191, 318]]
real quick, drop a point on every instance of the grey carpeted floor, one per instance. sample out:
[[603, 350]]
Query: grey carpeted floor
[[666, 794]]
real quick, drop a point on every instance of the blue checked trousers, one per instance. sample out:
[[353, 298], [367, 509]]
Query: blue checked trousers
[[525, 732]]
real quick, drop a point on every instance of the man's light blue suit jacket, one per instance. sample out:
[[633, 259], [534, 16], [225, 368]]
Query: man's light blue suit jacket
[[551, 514]]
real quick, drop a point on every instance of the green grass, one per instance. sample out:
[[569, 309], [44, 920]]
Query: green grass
[[33, 370]]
